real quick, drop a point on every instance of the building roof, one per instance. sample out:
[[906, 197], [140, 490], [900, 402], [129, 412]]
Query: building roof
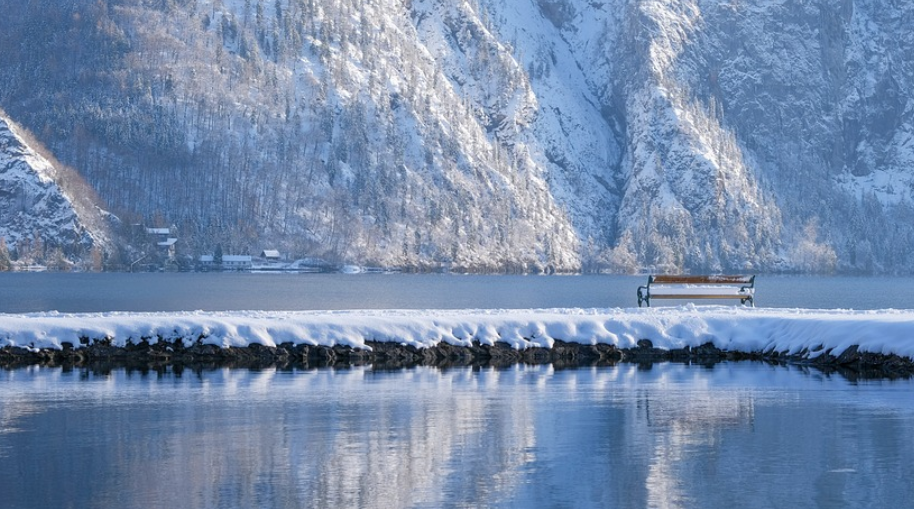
[[158, 231], [269, 253], [236, 259]]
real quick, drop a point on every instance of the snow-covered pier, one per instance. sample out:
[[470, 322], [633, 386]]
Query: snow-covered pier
[[802, 335]]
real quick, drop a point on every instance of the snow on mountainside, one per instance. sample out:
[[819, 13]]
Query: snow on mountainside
[[39, 218], [711, 209], [323, 128], [820, 94], [488, 134]]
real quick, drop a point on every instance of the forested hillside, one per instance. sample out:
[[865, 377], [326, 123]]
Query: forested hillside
[[486, 135]]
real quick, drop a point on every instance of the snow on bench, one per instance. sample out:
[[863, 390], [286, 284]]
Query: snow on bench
[[698, 287]]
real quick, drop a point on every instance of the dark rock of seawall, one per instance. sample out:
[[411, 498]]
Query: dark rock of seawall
[[384, 355]]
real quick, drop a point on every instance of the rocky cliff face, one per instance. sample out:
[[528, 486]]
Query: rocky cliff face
[[820, 96], [748, 134], [39, 221], [522, 134]]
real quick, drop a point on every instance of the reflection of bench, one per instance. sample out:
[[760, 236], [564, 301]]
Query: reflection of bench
[[698, 287]]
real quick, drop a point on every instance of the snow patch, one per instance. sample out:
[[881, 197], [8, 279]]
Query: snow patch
[[727, 327]]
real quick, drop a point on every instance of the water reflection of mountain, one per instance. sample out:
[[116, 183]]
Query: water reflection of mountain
[[678, 425], [328, 438], [526, 436], [397, 453]]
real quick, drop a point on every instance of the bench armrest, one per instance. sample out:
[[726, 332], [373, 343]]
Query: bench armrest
[[644, 295]]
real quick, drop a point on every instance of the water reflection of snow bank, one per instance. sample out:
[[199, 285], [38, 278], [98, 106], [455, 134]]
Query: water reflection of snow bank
[[728, 328]]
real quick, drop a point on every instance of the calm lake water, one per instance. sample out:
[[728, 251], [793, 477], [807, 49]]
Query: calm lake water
[[736, 435], [24, 292]]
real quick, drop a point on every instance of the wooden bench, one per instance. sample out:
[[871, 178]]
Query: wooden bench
[[698, 287]]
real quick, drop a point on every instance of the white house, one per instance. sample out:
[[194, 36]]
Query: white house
[[229, 262], [165, 239], [237, 262]]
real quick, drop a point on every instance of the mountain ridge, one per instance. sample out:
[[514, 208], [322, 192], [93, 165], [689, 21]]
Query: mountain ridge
[[529, 135]]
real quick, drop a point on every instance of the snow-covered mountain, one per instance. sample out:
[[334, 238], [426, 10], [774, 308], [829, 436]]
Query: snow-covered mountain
[[39, 220], [488, 134]]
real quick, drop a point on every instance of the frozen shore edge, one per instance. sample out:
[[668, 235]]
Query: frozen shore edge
[[871, 343]]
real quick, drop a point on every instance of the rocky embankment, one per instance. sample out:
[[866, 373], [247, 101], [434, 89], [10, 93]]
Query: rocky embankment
[[384, 355]]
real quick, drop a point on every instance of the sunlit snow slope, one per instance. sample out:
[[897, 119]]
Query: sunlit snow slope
[[488, 135], [37, 208]]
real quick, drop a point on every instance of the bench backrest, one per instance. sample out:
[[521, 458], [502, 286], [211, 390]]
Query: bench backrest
[[697, 280]]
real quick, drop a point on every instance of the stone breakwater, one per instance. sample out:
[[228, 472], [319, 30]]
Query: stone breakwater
[[386, 355], [868, 343]]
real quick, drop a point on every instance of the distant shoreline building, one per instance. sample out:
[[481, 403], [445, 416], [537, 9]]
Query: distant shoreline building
[[237, 263], [163, 255], [270, 255]]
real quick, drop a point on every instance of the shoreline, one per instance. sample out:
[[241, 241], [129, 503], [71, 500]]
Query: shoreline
[[870, 343], [163, 354]]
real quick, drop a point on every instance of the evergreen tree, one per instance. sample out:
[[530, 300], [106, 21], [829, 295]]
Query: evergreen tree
[[217, 256], [5, 262]]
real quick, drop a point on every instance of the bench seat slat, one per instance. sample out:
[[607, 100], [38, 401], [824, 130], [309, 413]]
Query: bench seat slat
[[718, 279], [701, 296], [682, 290]]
